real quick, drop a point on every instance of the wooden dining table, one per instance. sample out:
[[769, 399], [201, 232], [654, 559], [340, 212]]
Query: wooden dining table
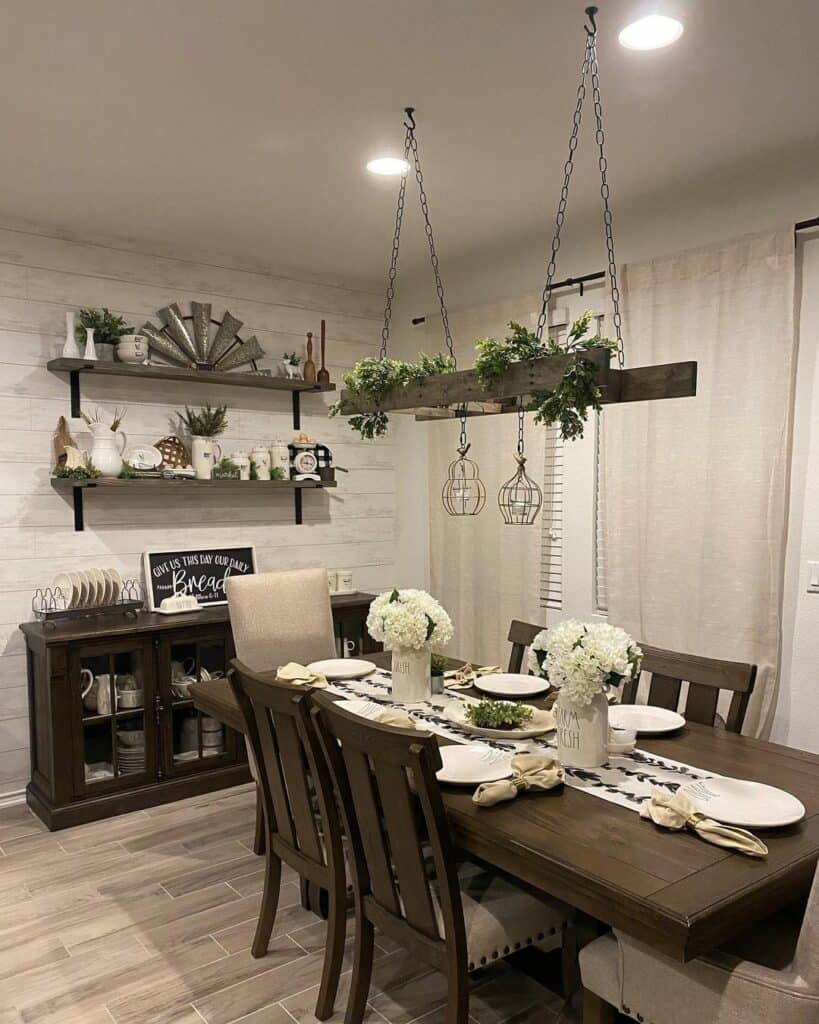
[[678, 894]]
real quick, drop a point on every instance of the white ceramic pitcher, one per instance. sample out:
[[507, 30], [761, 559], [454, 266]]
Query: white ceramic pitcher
[[107, 449]]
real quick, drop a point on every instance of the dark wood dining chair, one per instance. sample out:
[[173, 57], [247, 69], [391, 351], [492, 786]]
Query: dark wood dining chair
[[300, 812], [405, 878], [706, 678], [521, 634]]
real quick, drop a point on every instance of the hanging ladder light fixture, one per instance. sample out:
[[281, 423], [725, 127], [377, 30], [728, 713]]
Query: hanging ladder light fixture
[[520, 499]]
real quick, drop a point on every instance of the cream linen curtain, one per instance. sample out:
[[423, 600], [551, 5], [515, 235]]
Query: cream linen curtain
[[484, 573], [696, 488]]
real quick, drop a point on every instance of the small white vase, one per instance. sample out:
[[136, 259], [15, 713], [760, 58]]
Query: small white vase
[[71, 350], [106, 451], [205, 452], [90, 347], [582, 732], [411, 675]]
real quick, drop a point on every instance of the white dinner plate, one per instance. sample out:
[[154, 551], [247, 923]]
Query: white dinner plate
[[540, 722], [473, 763], [644, 718], [360, 706], [745, 803], [100, 585], [116, 581], [511, 684], [62, 582], [343, 668]]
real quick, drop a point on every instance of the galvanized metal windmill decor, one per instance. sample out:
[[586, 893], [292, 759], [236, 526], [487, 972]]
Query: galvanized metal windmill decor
[[206, 344]]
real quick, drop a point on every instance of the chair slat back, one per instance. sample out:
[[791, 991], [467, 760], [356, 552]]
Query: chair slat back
[[521, 634], [393, 812], [294, 782], [706, 678]]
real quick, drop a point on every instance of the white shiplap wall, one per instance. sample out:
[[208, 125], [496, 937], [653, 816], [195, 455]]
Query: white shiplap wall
[[351, 527]]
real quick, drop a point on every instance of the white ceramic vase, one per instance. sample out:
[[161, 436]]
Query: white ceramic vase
[[71, 350], [106, 451], [582, 732], [90, 347], [205, 452], [411, 675]]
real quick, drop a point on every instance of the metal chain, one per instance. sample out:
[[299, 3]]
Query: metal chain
[[604, 192], [568, 167], [396, 238], [521, 415], [462, 442], [433, 255]]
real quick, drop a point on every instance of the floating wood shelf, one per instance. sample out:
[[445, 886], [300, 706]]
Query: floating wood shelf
[[135, 371], [76, 488], [441, 396]]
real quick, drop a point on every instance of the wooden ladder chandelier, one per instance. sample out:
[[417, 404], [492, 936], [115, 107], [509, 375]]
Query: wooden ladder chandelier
[[462, 393]]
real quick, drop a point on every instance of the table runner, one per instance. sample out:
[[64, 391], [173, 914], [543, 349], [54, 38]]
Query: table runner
[[625, 779]]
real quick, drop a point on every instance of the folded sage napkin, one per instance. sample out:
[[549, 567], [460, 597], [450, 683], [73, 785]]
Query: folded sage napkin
[[462, 678], [531, 771], [298, 675], [671, 810]]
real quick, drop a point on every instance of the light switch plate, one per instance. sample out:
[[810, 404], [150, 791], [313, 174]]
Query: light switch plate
[[813, 577]]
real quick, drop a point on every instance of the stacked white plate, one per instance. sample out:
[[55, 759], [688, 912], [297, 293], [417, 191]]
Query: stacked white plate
[[91, 588], [130, 759]]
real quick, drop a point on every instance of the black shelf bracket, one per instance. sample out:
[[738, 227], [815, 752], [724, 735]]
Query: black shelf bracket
[[297, 410], [79, 517], [297, 506], [74, 385]]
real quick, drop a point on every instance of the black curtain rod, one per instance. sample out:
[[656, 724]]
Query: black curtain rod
[[598, 275]]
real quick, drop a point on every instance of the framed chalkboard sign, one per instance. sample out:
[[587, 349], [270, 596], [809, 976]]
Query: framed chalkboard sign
[[199, 572]]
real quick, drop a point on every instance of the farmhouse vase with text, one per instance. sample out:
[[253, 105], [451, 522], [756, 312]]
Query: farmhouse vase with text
[[582, 732], [205, 453], [411, 675]]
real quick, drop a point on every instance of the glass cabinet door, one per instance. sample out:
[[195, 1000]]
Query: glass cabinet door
[[113, 695], [193, 741]]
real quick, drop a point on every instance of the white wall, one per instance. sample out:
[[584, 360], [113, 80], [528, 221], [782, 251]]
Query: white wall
[[697, 213], [352, 527]]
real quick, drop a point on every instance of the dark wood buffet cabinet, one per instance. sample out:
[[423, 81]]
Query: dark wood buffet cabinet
[[112, 729]]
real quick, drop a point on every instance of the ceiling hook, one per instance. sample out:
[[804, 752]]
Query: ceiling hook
[[591, 13], [409, 111]]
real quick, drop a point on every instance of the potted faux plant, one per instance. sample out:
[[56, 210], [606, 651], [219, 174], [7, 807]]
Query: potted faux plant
[[203, 426], [107, 327], [582, 660], [409, 623]]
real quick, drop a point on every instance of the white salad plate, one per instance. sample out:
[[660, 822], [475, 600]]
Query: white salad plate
[[473, 763], [742, 802], [511, 684], [644, 718], [540, 722], [367, 708], [343, 668], [142, 456], [62, 582]]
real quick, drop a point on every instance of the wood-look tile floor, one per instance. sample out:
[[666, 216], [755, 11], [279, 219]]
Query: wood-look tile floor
[[148, 919]]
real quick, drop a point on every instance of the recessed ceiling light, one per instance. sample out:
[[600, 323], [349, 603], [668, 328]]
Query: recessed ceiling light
[[651, 33], [393, 165]]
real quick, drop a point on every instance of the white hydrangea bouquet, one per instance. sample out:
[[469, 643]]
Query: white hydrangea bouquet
[[408, 620], [409, 623], [583, 658]]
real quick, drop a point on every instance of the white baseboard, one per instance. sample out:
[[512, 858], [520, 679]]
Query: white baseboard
[[11, 799]]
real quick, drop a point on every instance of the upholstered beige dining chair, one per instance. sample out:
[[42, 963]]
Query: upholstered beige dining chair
[[771, 974], [278, 617]]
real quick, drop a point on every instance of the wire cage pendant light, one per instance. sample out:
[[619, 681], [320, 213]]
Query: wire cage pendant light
[[463, 493], [520, 499]]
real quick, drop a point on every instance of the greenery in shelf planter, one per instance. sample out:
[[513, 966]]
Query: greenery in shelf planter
[[128, 472], [108, 328], [498, 714], [277, 473], [87, 471], [208, 422], [226, 469], [438, 664], [569, 403], [372, 379]]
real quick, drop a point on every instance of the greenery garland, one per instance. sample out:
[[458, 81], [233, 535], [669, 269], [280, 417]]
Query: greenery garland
[[372, 379], [569, 403]]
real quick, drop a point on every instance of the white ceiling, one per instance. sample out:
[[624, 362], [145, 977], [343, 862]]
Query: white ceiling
[[240, 128]]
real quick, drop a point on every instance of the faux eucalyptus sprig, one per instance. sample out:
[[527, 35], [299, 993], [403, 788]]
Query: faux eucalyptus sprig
[[371, 379], [569, 403]]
